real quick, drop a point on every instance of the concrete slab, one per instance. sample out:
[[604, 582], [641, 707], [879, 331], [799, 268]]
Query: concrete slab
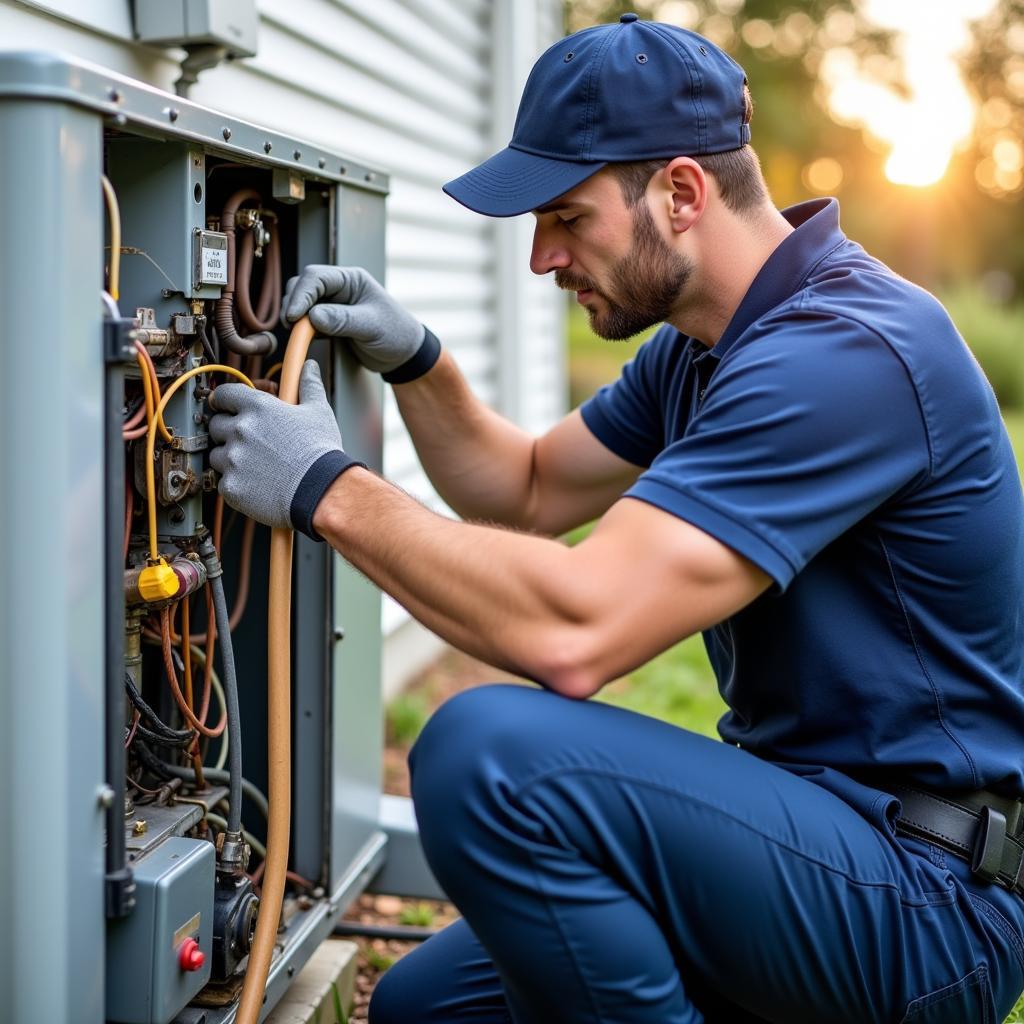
[[310, 998]]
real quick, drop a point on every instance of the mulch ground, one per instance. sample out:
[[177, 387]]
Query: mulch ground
[[452, 673]]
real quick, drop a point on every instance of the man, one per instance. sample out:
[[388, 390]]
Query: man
[[805, 463]]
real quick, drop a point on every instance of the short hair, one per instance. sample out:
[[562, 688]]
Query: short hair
[[741, 183]]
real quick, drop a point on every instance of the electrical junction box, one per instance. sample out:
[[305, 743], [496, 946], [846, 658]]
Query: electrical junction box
[[149, 978], [229, 23], [210, 258]]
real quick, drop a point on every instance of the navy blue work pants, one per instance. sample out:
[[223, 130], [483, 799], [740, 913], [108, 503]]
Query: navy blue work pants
[[613, 869]]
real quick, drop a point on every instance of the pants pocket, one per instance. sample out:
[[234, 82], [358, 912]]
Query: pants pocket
[[967, 1001]]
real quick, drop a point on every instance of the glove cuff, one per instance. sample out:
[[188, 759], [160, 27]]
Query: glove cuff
[[426, 355], [313, 486]]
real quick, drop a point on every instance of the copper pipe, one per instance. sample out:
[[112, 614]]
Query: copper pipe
[[172, 678], [129, 508], [265, 316], [186, 660], [225, 308]]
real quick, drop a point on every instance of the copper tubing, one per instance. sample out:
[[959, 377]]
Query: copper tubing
[[130, 431], [242, 592], [268, 305], [129, 508], [278, 722], [186, 661], [263, 342], [172, 678]]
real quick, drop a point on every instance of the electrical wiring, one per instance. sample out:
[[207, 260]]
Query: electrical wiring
[[151, 441], [114, 213], [161, 731]]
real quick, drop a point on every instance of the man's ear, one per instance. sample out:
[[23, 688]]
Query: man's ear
[[684, 187]]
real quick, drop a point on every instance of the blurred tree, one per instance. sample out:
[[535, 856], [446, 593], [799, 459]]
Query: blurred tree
[[935, 235]]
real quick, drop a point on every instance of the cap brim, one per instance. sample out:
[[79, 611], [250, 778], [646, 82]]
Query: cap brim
[[513, 182]]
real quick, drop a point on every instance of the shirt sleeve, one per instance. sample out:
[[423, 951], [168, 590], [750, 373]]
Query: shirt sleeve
[[627, 415], [807, 428]]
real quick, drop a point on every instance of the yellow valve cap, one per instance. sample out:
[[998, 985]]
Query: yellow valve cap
[[158, 582]]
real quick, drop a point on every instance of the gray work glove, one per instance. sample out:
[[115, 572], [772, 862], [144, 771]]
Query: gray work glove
[[276, 460], [346, 302]]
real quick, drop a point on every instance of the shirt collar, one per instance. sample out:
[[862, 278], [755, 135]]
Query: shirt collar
[[816, 233]]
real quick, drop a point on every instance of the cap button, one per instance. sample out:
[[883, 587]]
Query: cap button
[[627, 18]]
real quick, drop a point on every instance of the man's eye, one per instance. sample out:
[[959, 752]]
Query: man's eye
[[569, 221]]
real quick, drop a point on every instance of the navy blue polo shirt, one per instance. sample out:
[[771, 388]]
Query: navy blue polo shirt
[[842, 437]]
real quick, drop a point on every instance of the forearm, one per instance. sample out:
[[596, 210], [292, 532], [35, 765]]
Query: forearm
[[510, 599], [569, 618], [478, 461]]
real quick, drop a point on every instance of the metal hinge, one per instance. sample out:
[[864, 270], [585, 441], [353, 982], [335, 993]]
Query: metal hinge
[[119, 340]]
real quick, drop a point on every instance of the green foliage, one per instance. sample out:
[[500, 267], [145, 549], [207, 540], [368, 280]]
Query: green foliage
[[995, 333], [421, 915], [678, 687], [378, 961], [406, 716]]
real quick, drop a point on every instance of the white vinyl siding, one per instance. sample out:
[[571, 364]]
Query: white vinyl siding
[[409, 86]]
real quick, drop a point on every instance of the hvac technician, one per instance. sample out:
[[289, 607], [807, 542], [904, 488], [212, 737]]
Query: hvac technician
[[805, 463]]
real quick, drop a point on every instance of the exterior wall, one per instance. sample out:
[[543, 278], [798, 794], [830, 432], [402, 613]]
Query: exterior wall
[[423, 89]]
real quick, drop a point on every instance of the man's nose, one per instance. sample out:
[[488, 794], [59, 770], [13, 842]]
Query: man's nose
[[548, 253]]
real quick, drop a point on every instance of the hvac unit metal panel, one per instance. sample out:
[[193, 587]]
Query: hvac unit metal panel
[[146, 983], [51, 513], [56, 115]]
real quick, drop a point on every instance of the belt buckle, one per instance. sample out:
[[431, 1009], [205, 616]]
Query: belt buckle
[[987, 856]]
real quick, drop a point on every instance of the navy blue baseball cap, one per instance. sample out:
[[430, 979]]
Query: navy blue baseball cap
[[631, 90]]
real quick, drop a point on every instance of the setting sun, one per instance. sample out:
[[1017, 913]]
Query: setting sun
[[925, 126]]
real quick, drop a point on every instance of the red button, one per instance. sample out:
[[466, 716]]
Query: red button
[[190, 956]]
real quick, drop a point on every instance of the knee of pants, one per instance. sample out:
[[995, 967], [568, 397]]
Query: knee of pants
[[394, 1001], [473, 743]]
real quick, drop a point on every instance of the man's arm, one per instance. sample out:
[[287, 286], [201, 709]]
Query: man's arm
[[482, 465], [487, 468], [570, 618]]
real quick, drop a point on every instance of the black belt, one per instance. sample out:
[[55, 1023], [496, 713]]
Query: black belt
[[983, 828]]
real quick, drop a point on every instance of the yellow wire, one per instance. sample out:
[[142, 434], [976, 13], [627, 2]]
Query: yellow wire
[[274, 369], [151, 440], [113, 211]]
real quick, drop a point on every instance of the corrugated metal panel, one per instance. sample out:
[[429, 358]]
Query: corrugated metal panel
[[408, 85]]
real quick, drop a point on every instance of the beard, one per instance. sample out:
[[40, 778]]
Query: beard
[[645, 284]]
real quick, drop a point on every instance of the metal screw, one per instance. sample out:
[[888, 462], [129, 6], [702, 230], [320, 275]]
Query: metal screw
[[370, 175], [226, 132], [297, 154], [291, 970], [105, 797], [139, 828], [342, 169], [339, 634], [172, 114], [321, 163], [267, 146], [120, 120], [115, 95]]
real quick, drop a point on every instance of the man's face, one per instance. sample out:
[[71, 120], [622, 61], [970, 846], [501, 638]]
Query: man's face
[[624, 273]]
